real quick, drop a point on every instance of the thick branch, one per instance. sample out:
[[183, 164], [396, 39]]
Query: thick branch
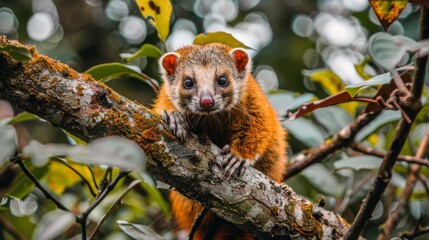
[[90, 110], [342, 139]]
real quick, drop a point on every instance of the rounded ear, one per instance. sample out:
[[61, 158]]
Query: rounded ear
[[241, 58], [169, 62]]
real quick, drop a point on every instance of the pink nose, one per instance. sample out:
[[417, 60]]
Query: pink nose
[[206, 102]]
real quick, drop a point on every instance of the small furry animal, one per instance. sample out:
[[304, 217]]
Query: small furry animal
[[209, 90]]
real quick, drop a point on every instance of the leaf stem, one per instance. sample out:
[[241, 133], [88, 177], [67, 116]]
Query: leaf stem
[[17, 159]]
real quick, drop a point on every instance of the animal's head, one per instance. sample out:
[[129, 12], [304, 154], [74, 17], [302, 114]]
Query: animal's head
[[205, 79]]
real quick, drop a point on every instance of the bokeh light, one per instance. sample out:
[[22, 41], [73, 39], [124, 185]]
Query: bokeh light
[[302, 25], [266, 77], [7, 21], [183, 34], [133, 29], [40, 26], [116, 10]]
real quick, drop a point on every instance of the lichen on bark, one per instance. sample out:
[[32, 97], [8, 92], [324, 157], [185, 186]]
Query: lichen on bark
[[89, 109]]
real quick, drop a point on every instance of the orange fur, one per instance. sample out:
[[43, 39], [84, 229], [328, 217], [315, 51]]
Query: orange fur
[[253, 132]]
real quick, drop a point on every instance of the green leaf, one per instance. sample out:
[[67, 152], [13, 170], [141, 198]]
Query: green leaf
[[23, 117], [387, 50], [219, 37], [384, 118], [21, 54], [138, 231], [107, 71], [381, 79], [7, 143], [157, 197], [358, 162], [147, 50], [284, 100], [333, 118], [73, 139], [305, 131], [158, 13], [323, 180]]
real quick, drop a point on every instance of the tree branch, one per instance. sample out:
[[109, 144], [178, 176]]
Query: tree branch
[[414, 171], [413, 175], [374, 152], [342, 139], [411, 105], [89, 110]]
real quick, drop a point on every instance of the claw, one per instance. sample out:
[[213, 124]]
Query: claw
[[176, 123], [225, 149], [232, 163]]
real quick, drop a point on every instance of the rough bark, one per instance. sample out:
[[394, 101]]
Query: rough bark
[[90, 110]]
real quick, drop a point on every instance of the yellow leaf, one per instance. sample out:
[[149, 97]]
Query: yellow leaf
[[329, 81], [373, 139], [158, 13], [388, 11], [60, 177], [360, 69], [332, 83]]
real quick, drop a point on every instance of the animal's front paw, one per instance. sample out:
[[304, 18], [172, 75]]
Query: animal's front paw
[[232, 163], [176, 123]]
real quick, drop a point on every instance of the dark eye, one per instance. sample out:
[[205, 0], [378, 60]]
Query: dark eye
[[222, 81], [188, 83]]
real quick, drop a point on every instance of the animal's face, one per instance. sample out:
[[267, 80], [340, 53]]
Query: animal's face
[[205, 79]]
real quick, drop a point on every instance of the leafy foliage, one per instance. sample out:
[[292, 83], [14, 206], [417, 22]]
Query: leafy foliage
[[343, 178]]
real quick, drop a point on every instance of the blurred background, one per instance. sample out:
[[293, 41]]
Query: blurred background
[[292, 41], [288, 36]]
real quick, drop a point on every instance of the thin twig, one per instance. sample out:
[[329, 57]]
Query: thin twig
[[36, 182], [94, 181], [374, 152], [197, 223], [113, 207], [109, 187], [340, 140], [416, 233], [63, 161], [412, 178], [411, 106], [104, 180]]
